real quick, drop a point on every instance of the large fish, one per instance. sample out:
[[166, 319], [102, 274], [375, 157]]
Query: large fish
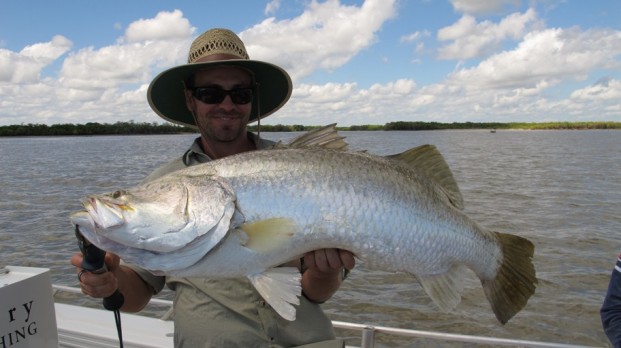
[[243, 215]]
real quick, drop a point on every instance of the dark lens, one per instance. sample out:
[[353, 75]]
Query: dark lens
[[241, 95], [215, 95], [209, 95]]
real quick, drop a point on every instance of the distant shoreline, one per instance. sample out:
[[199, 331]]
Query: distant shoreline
[[131, 128]]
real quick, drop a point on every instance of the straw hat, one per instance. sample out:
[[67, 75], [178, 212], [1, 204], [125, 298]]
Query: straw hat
[[272, 83]]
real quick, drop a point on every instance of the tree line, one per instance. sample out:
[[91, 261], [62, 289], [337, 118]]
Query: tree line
[[498, 125], [420, 125], [128, 128], [94, 128]]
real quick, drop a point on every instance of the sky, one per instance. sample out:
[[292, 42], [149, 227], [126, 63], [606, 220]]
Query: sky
[[353, 62]]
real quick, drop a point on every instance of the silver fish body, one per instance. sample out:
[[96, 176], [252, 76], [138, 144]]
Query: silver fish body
[[354, 201], [243, 215]]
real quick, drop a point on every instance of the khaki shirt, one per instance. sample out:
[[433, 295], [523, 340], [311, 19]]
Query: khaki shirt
[[231, 313]]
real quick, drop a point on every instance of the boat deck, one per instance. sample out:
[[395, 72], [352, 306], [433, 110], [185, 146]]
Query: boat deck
[[94, 328]]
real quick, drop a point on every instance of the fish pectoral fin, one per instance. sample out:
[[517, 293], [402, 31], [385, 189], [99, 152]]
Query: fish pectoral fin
[[444, 289], [268, 235], [281, 288]]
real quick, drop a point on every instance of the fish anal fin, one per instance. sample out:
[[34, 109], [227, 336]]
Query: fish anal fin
[[426, 159], [281, 288], [515, 282], [444, 289], [268, 235]]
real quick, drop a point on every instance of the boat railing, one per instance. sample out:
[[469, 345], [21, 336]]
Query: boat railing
[[368, 332]]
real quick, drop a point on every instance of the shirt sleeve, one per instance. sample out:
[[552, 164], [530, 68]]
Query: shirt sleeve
[[611, 308], [156, 282]]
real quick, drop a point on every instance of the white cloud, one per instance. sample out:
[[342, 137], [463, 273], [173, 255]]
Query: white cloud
[[272, 7], [514, 85], [471, 39], [548, 55], [110, 66], [148, 45], [483, 6], [94, 84], [165, 26], [26, 66], [346, 104], [412, 37], [326, 36], [47, 52], [611, 90]]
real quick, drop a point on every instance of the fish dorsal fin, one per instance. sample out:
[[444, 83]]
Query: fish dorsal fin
[[281, 287], [325, 137], [426, 159]]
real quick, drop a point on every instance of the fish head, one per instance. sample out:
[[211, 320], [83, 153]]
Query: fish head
[[178, 218], [142, 215]]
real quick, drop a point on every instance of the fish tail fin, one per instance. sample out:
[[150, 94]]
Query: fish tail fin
[[515, 280]]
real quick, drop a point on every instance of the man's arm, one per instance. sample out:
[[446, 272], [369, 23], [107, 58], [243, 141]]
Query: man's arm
[[322, 272], [135, 291]]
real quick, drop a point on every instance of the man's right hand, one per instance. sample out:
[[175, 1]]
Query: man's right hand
[[98, 285]]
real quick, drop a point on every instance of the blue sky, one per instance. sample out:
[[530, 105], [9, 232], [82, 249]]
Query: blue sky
[[352, 62]]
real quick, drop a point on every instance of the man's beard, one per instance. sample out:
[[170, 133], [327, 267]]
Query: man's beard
[[222, 126]]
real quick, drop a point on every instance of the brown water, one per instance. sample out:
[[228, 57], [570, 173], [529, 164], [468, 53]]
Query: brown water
[[560, 189]]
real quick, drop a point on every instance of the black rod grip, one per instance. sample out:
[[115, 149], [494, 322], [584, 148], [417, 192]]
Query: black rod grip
[[94, 261]]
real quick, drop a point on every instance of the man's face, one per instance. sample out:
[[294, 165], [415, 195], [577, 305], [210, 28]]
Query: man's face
[[224, 121]]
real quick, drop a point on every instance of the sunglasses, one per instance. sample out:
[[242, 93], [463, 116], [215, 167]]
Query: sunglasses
[[215, 95]]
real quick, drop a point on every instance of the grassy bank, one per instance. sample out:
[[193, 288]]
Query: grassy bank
[[127, 128], [403, 125]]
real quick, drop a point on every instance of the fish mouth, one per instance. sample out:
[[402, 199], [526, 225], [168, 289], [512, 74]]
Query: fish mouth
[[85, 226], [105, 214]]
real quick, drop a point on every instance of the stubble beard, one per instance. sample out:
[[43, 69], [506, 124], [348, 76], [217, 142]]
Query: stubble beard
[[222, 127]]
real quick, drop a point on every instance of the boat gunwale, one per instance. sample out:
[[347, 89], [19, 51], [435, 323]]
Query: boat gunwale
[[368, 332]]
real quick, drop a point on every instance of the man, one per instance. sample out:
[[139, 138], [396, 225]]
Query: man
[[611, 308], [219, 91]]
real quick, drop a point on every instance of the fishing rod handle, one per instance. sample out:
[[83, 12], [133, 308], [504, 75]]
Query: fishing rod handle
[[94, 261]]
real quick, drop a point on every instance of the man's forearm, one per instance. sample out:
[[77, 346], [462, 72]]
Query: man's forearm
[[136, 292]]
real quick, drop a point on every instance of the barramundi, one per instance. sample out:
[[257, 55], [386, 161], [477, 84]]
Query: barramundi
[[244, 215]]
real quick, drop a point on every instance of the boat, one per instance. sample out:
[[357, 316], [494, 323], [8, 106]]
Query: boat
[[93, 327]]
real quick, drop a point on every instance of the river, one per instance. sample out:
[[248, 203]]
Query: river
[[560, 189]]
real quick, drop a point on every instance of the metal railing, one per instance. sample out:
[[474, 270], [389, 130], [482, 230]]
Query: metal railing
[[368, 332]]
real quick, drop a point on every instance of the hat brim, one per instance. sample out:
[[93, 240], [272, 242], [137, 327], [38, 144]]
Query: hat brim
[[166, 97]]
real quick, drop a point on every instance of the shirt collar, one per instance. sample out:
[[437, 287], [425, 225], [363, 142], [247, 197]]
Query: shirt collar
[[195, 153]]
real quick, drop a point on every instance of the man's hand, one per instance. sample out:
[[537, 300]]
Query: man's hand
[[136, 292], [98, 285], [329, 260], [323, 272]]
